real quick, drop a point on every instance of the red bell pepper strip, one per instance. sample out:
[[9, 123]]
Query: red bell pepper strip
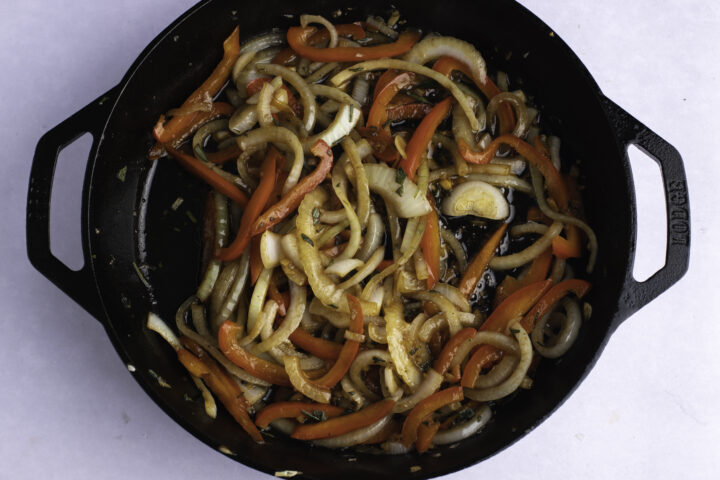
[[353, 30], [408, 111], [278, 410], [319, 347], [443, 361], [477, 267], [347, 423], [255, 366], [282, 299], [257, 202], [423, 134], [430, 245], [483, 357], [298, 39], [197, 168], [424, 409], [165, 132], [294, 196], [218, 109], [446, 65], [425, 435], [574, 285], [384, 94], [538, 271], [220, 383], [554, 181], [349, 350], [256, 265], [515, 306]]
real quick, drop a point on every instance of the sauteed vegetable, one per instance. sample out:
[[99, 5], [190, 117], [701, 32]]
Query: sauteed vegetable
[[394, 239]]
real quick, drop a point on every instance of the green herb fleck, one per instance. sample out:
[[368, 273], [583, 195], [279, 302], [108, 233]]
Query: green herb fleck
[[356, 69], [316, 215], [176, 229], [103, 100], [400, 176], [307, 240], [425, 366], [187, 398], [277, 124], [400, 190], [122, 173], [352, 111], [153, 373], [377, 360], [464, 415], [514, 331], [419, 98], [316, 415], [191, 216], [413, 351], [331, 305]]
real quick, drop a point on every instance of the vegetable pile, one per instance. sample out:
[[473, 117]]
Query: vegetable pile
[[393, 238]]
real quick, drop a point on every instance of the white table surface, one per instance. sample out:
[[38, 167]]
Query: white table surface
[[70, 409]]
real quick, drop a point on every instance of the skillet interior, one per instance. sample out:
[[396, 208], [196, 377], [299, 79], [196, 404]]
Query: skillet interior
[[131, 221]]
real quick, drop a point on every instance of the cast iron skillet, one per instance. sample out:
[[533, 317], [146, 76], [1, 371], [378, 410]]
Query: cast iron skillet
[[130, 222]]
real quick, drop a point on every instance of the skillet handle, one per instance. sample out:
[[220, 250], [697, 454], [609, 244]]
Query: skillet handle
[[630, 131], [78, 285]]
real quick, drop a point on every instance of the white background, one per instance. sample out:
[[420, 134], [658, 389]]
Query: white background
[[70, 409]]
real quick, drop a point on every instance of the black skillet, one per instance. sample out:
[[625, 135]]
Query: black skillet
[[129, 223]]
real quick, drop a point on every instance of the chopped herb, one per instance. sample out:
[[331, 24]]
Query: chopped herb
[[187, 398], [419, 98], [277, 124], [464, 415], [316, 215], [122, 173], [400, 190], [377, 360], [514, 331], [103, 100], [191, 216], [425, 366], [400, 176], [387, 122], [307, 240], [140, 275], [413, 351], [352, 111], [176, 229], [316, 415], [331, 305], [176, 204], [153, 373], [356, 69]]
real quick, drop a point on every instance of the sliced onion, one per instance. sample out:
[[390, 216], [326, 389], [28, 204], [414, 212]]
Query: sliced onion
[[157, 325], [517, 164], [374, 235], [362, 361], [447, 307], [476, 198], [391, 63], [271, 250], [339, 186], [561, 343], [592, 238], [515, 260], [344, 266], [394, 325], [264, 112], [430, 384], [302, 384], [506, 181], [513, 381], [354, 153], [257, 299], [345, 120], [464, 430], [306, 20], [433, 47], [307, 97], [352, 393], [208, 282], [208, 399], [455, 246], [495, 339], [237, 289], [454, 295], [528, 228], [407, 203], [498, 374], [335, 94], [295, 312], [199, 321], [261, 42], [355, 437], [283, 139], [522, 122]]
